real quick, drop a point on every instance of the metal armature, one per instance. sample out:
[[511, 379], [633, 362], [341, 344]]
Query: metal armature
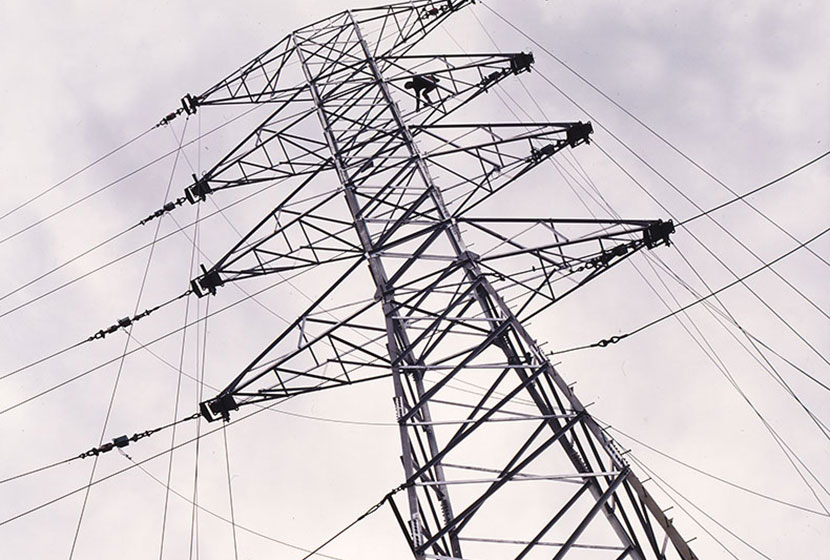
[[501, 460]]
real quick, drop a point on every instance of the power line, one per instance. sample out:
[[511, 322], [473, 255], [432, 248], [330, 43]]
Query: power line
[[718, 478], [755, 190], [128, 254], [126, 346], [714, 255], [75, 174], [127, 175], [740, 280], [651, 130], [359, 518], [212, 513], [698, 523], [674, 187]]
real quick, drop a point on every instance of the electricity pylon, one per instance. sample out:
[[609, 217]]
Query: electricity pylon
[[501, 459]]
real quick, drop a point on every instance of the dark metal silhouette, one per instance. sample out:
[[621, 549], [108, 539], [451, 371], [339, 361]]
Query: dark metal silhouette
[[483, 414]]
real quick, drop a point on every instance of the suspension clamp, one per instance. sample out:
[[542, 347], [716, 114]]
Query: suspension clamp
[[189, 104], [578, 134], [198, 190], [520, 62], [657, 233], [217, 408], [207, 282]]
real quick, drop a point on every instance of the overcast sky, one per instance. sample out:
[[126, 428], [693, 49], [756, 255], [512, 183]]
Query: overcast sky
[[741, 88]]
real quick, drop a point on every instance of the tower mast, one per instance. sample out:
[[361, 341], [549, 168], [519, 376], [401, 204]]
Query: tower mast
[[518, 467]]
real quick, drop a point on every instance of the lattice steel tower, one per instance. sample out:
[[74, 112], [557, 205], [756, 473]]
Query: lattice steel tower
[[501, 460]]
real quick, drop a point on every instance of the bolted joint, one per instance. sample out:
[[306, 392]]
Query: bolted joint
[[657, 233], [217, 408], [198, 191], [468, 256], [207, 282]]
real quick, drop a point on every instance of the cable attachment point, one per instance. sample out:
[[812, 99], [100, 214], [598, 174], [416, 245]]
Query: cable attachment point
[[578, 134], [520, 62], [207, 282], [199, 190], [169, 207], [189, 104], [217, 408], [657, 233]]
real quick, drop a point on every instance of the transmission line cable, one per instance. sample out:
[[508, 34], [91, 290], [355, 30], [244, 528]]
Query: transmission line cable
[[200, 369], [704, 213], [68, 262], [128, 175], [136, 464], [357, 520], [724, 315], [696, 507], [615, 339], [779, 441], [75, 174], [769, 368], [651, 130], [215, 515], [124, 352], [153, 341], [727, 267], [785, 448], [716, 477], [681, 193], [757, 189], [129, 253], [230, 492], [676, 189], [176, 409], [38, 470]]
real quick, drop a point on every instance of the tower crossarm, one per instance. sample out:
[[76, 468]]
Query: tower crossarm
[[288, 144], [275, 73], [311, 226]]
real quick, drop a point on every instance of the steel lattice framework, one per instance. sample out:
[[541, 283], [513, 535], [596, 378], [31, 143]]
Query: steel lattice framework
[[500, 457]]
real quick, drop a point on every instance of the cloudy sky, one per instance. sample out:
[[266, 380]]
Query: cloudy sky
[[741, 88]]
